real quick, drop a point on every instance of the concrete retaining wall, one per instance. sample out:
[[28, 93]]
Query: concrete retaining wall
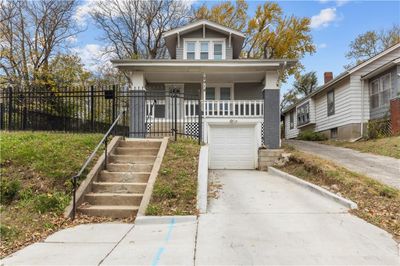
[[202, 180]]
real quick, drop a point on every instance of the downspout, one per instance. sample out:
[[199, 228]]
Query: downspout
[[362, 112]]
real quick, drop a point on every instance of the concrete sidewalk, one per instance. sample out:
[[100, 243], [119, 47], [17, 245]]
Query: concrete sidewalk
[[258, 219], [382, 168]]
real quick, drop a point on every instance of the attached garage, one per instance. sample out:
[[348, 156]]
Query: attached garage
[[232, 146]]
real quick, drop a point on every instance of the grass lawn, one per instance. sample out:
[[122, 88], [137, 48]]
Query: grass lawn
[[378, 204], [385, 146], [175, 188], [36, 168]]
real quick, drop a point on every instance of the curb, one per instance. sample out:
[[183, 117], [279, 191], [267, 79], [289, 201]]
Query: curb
[[314, 188]]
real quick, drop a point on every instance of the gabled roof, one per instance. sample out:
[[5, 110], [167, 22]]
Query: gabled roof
[[198, 24], [343, 75]]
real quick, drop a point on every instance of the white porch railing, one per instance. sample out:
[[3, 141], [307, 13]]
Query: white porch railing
[[234, 108], [217, 108]]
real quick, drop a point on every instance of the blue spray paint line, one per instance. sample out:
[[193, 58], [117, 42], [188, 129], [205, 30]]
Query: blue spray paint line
[[170, 227], [161, 250], [157, 257]]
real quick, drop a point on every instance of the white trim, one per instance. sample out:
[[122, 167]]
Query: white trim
[[203, 22], [197, 48]]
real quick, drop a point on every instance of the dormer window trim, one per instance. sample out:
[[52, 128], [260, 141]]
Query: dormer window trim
[[211, 42]]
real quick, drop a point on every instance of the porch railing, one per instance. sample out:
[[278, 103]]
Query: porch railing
[[233, 108]]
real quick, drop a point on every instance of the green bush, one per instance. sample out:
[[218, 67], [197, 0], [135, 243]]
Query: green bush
[[311, 136], [379, 128], [9, 190], [51, 202]]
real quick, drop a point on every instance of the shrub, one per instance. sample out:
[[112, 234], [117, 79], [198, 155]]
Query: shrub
[[379, 128], [50, 202], [9, 190], [312, 136]]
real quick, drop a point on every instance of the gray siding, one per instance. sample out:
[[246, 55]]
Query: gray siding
[[209, 34], [248, 91], [271, 119], [383, 111]]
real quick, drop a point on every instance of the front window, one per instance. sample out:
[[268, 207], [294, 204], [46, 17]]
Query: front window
[[210, 93], [303, 114], [331, 102], [218, 51], [190, 50], [225, 93], [379, 91], [291, 120], [204, 50]]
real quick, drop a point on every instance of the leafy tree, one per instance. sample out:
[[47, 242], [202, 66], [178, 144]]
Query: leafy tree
[[305, 84], [269, 34], [371, 43]]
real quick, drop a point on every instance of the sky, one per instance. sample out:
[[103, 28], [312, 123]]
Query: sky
[[334, 23]]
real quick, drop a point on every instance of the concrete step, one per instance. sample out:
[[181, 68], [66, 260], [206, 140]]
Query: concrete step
[[127, 167], [128, 199], [124, 177], [114, 187], [140, 144], [113, 211], [136, 151], [131, 159]]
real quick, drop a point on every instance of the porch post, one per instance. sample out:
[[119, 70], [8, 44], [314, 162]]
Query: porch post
[[137, 102], [271, 111]]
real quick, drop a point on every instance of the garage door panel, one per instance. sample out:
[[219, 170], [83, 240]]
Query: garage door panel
[[232, 147]]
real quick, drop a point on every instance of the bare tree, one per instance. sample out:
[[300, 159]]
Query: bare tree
[[134, 28], [28, 39]]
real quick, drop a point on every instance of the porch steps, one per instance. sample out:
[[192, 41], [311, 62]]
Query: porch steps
[[118, 191]]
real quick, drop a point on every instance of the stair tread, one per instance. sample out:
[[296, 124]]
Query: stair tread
[[136, 148], [114, 194], [134, 155], [109, 207], [141, 163], [120, 183], [133, 172]]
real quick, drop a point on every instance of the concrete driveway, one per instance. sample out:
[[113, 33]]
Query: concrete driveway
[[382, 168], [258, 219], [262, 219]]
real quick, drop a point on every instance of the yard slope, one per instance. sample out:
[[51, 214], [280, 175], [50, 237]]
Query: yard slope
[[36, 168]]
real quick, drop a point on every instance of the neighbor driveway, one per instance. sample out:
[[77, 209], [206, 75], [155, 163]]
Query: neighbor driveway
[[256, 218], [382, 168]]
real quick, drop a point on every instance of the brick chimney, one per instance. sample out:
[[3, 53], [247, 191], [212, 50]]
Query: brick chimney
[[328, 76]]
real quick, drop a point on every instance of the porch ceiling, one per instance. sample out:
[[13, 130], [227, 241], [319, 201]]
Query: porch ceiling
[[197, 77]]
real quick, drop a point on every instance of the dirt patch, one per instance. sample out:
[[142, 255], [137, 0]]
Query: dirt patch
[[175, 189], [377, 203]]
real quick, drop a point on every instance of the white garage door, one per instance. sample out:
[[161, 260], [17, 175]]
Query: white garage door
[[232, 147]]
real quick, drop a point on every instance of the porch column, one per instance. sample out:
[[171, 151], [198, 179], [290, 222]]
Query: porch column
[[271, 111], [137, 102]]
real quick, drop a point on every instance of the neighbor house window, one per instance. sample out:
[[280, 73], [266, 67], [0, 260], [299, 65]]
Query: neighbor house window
[[379, 92], [291, 118], [218, 51], [331, 102], [303, 114], [190, 50], [204, 50]]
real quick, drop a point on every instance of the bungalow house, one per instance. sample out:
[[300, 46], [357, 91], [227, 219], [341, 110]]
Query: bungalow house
[[343, 105], [239, 98]]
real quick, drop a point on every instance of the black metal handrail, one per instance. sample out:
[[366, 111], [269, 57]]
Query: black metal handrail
[[90, 158]]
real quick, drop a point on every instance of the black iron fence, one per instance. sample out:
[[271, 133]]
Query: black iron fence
[[151, 112]]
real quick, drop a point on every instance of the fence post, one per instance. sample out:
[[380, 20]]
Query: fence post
[[176, 114], [114, 109], [200, 121], [10, 107], [24, 118], [2, 115], [92, 107]]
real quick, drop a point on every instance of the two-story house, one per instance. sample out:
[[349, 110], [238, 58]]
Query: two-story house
[[239, 97]]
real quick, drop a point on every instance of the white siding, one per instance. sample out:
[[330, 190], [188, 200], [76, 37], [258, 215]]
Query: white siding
[[291, 133], [344, 113]]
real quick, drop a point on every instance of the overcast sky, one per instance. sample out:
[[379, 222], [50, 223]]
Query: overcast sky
[[334, 25]]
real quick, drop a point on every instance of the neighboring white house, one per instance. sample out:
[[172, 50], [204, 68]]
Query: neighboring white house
[[342, 106], [239, 97]]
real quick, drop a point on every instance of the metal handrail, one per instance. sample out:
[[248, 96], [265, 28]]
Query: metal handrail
[[90, 158]]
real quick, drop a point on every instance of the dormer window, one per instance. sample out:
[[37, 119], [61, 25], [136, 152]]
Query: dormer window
[[218, 50], [190, 50], [204, 49]]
